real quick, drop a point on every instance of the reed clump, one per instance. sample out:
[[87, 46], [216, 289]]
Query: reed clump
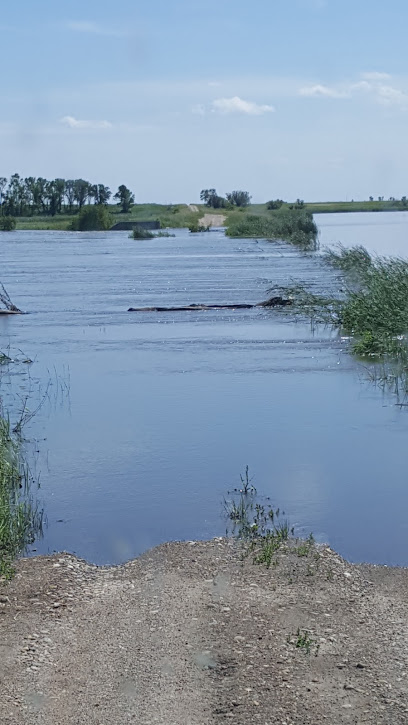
[[20, 518], [372, 308], [291, 225]]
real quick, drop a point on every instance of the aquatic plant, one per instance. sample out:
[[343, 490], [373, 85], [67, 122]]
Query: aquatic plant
[[372, 309], [353, 261], [292, 225], [257, 525], [195, 228], [20, 518], [139, 233]]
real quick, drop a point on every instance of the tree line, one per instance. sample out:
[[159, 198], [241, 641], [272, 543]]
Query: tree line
[[34, 196], [234, 198]]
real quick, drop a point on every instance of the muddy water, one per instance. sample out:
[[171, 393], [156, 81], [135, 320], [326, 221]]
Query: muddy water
[[160, 413]]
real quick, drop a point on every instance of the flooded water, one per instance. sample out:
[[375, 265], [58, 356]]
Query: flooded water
[[381, 233], [153, 416]]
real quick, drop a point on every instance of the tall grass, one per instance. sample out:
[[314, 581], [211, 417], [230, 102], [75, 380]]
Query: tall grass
[[291, 225], [20, 519], [354, 261], [372, 308]]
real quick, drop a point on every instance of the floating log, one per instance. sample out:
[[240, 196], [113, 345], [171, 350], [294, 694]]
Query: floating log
[[272, 302], [275, 302]]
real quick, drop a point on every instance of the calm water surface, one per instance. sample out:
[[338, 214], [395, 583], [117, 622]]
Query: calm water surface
[[384, 233], [164, 411]]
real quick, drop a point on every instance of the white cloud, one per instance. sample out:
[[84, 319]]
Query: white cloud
[[84, 26], [375, 76], [72, 122], [238, 105], [389, 96], [319, 90], [371, 86]]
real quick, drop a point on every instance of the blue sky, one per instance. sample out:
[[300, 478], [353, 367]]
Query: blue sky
[[284, 98]]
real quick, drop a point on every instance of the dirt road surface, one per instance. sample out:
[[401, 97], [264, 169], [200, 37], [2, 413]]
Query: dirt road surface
[[212, 220], [189, 634]]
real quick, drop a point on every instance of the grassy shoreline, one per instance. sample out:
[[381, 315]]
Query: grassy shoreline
[[178, 216]]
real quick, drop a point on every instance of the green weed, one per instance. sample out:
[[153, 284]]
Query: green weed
[[302, 640], [259, 526], [20, 519]]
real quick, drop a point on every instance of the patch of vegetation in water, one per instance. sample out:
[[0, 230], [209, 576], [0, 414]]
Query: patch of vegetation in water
[[140, 233], [196, 228], [20, 518], [257, 525], [372, 309], [354, 261], [294, 225]]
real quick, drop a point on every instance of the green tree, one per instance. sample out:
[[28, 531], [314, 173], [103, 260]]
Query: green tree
[[70, 193], [3, 184], [274, 204], [239, 198], [211, 198], [102, 194], [125, 198], [81, 192]]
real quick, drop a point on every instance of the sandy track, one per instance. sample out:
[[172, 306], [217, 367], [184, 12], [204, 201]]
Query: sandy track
[[209, 220], [187, 635], [212, 220]]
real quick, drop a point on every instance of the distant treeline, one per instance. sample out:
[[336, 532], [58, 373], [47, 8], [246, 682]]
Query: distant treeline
[[33, 196]]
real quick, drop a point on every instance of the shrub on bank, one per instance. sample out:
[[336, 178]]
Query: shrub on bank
[[92, 218], [7, 223]]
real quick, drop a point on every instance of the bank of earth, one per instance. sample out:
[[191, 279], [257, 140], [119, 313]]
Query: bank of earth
[[192, 634]]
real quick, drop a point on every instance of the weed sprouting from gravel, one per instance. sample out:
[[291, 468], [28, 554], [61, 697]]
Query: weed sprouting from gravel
[[303, 641]]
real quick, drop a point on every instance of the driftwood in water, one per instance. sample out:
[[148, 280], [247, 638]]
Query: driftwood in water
[[275, 302], [272, 302], [6, 301]]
